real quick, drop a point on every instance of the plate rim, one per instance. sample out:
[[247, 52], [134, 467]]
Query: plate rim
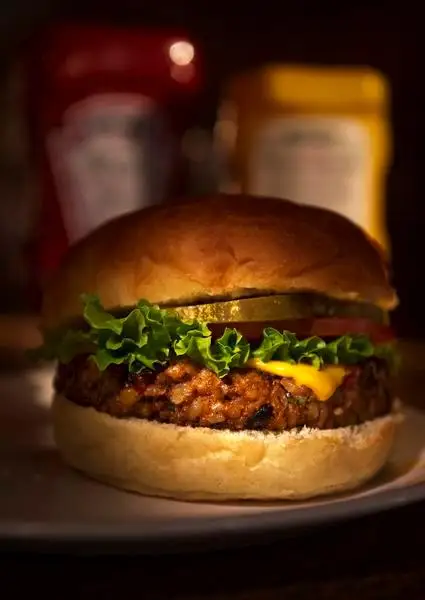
[[187, 529]]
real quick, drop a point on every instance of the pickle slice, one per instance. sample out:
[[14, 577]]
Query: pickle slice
[[279, 307]]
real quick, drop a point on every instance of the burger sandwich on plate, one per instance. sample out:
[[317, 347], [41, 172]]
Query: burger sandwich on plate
[[232, 347]]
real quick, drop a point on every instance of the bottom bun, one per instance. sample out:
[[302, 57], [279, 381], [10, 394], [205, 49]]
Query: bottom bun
[[206, 464]]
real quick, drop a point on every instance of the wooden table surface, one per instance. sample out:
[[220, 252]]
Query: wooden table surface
[[380, 556]]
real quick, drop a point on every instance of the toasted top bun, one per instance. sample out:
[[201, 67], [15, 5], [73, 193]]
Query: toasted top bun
[[219, 247]]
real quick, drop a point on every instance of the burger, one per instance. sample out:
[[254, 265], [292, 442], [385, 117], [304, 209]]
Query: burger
[[232, 347]]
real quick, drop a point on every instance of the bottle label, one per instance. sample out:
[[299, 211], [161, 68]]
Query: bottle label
[[110, 156], [323, 162]]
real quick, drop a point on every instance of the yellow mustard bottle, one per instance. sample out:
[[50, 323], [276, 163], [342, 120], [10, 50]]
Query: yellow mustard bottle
[[315, 135]]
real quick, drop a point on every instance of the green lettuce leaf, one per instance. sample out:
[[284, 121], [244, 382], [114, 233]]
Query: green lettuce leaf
[[275, 345], [229, 351], [143, 338], [148, 337], [349, 350], [346, 350]]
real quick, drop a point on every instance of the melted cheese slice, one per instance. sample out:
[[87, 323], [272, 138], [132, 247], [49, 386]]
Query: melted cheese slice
[[323, 383]]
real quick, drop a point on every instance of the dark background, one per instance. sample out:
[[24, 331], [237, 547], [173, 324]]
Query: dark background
[[234, 36]]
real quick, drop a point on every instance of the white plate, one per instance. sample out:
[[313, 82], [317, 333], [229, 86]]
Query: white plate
[[42, 499]]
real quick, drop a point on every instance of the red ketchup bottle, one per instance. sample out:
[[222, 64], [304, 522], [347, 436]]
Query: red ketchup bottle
[[107, 108]]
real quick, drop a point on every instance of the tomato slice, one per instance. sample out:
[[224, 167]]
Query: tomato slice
[[335, 327], [325, 328]]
